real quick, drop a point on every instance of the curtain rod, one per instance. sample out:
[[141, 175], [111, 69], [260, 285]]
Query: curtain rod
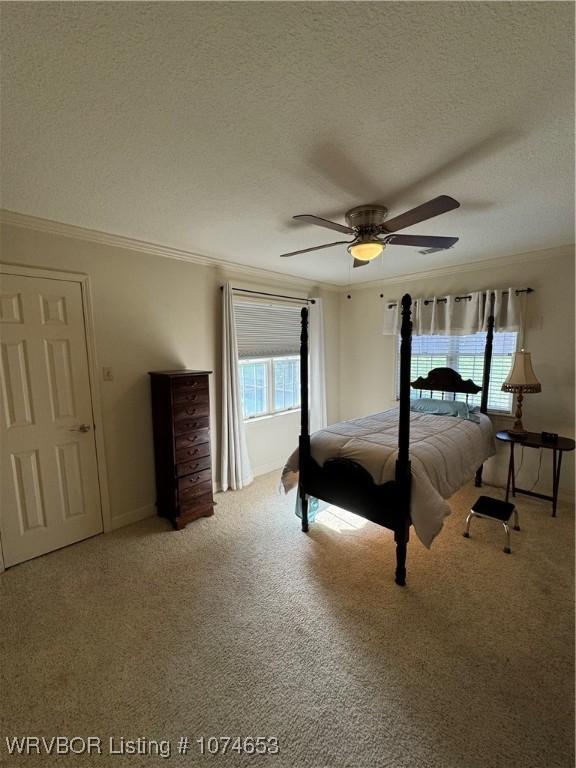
[[461, 298], [273, 295]]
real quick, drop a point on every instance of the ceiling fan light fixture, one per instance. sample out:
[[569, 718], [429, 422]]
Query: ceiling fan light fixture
[[366, 251]]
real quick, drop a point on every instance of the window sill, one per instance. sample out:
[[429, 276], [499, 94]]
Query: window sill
[[500, 415], [266, 416]]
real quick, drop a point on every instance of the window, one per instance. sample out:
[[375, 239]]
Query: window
[[268, 347], [254, 379], [269, 386], [466, 355], [286, 383]]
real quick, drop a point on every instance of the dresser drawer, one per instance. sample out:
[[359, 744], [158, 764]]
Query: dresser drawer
[[189, 382], [185, 411], [187, 426], [191, 393], [191, 509], [192, 452], [196, 487], [191, 481], [205, 499], [189, 467], [186, 441]]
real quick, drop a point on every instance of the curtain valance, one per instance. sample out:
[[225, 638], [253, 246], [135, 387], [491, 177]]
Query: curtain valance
[[460, 315]]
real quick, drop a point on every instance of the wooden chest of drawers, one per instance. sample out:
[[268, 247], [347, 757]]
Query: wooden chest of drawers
[[181, 420]]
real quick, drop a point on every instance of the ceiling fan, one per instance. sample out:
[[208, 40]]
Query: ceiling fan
[[372, 232]]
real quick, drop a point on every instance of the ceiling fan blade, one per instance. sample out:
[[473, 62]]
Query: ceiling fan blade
[[422, 241], [316, 248], [324, 223], [422, 212], [359, 263]]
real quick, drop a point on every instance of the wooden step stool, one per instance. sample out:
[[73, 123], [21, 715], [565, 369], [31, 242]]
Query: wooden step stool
[[494, 509]]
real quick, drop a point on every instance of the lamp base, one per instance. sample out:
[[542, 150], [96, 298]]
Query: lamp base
[[518, 429], [517, 433]]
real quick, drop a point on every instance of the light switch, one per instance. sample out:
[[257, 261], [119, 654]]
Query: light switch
[[107, 374]]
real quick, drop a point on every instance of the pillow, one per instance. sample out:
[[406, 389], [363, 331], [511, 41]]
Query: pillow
[[444, 408]]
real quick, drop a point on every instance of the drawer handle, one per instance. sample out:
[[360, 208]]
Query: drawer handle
[[190, 453], [190, 411]]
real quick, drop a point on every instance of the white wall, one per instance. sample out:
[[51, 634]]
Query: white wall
[[154, 313], [272, 437], [367, 358]]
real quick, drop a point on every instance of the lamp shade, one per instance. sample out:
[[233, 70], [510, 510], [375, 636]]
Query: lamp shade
[[522, 377]]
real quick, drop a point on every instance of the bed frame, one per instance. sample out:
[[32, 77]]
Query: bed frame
[[345, 483]]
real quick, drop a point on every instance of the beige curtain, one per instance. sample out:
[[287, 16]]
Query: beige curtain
[[235, 469]]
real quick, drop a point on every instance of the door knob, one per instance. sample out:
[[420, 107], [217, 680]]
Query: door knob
[[81, 428]]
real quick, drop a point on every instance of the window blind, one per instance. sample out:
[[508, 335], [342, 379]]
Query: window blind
[[267, 330], [466, 355]]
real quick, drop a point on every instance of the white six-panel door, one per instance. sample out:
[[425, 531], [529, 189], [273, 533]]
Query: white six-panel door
[[49, 475]]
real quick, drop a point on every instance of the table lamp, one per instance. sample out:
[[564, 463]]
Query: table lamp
[[521, 379]]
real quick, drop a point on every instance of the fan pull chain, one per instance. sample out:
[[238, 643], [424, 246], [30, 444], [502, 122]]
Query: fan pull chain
[[349, 295]]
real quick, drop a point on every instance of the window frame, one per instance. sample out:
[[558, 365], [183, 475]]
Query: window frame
[[270, 387], [491, 411]]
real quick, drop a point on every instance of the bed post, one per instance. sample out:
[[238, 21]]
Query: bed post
[[486, 378], [304, 441], [403, 473]]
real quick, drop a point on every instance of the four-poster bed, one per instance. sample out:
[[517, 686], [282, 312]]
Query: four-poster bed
[[344, 482]]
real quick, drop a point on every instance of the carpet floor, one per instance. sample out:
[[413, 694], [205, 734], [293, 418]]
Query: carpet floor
[[240, 625]]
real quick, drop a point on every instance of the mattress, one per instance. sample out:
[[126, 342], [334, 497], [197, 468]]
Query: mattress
[[445, 452]]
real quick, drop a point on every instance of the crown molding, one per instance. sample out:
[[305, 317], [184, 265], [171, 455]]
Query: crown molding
[[15, 219], [561, 251], [258, 273]]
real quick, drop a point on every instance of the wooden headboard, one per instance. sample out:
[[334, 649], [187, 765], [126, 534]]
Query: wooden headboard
[[446, 380]]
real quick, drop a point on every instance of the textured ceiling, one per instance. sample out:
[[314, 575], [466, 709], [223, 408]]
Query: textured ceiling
[[206, 126]]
